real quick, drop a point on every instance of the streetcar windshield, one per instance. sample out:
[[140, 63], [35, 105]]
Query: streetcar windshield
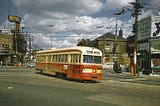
[[91, 59]]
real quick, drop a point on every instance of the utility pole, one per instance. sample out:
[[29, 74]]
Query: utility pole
[[17, 21], [30, 47], [116, 34], [137, 11], [115, 40]]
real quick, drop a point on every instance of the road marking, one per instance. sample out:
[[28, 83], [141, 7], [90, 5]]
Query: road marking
[[132, 79], [10, 87]]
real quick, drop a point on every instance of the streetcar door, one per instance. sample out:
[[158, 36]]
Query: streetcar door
[[69, 67], [48, 63], [75, 67], [46, 66]]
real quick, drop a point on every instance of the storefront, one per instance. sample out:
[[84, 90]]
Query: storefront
[[155, 54], [4, 53], [143, 57], [148, 56]]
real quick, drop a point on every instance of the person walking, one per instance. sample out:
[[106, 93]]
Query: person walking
[[1, 64]]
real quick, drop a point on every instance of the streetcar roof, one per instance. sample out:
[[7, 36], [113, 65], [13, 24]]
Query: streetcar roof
[[83, 49]]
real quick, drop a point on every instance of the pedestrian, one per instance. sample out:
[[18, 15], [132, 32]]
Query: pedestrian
[[1, 63]]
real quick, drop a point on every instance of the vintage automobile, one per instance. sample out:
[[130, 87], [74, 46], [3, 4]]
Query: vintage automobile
[[31, 64]]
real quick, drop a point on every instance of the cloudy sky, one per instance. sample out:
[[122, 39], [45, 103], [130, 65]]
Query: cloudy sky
[[63, 22]]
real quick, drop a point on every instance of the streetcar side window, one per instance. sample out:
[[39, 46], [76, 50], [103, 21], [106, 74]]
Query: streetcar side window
[[41, 58], [79, 58], [91, 59], [64, 58], [49, 58], [59, 58], [72, 58], [54, 58], [75, 58]]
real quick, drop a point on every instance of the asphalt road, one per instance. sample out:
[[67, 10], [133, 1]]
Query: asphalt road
[[24, 87]]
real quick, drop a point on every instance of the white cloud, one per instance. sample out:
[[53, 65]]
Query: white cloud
[[75, 28], [70, 20], [51, 7]]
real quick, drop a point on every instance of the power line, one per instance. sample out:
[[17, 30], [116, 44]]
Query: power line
[[9, 8]]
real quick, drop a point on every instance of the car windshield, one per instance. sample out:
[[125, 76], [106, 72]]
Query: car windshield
[[91, 59]]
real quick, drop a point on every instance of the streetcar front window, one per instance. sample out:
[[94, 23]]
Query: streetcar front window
[[97, 59], [91, 59]]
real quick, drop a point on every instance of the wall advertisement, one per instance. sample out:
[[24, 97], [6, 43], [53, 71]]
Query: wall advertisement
[[148, 27]]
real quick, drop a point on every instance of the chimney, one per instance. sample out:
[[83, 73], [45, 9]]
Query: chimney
[[121, 33]]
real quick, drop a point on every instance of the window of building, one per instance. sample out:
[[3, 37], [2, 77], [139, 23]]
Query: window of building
[[107, 46]]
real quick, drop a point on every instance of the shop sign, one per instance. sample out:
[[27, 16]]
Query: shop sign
[[4, 48]]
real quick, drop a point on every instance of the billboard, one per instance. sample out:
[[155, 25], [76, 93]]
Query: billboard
[[155, 26], [12, 18], [144, 28], [148, 27]]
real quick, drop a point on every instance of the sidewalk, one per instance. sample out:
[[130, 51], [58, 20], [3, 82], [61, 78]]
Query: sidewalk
[[125, 74], [15, 68], [127, 77]]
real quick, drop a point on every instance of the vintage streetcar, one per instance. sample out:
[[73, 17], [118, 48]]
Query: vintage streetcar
[[81, 63]]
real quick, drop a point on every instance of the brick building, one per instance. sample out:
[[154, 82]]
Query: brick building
[[7, 53], [106, 43]]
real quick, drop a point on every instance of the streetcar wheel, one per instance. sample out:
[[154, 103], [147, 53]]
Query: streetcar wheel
[[41, 72]]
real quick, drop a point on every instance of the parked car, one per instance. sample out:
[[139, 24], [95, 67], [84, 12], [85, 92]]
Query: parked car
[[117, 67], [110, 65], [156, 69], [31, 64]]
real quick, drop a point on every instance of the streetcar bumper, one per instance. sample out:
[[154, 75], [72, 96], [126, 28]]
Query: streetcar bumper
[[89, 76]]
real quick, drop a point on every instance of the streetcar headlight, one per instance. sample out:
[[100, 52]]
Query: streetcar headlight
[[99, 70], [94, 70]]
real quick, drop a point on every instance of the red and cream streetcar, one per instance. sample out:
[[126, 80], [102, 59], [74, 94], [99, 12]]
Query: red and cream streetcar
[[82, 63]]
